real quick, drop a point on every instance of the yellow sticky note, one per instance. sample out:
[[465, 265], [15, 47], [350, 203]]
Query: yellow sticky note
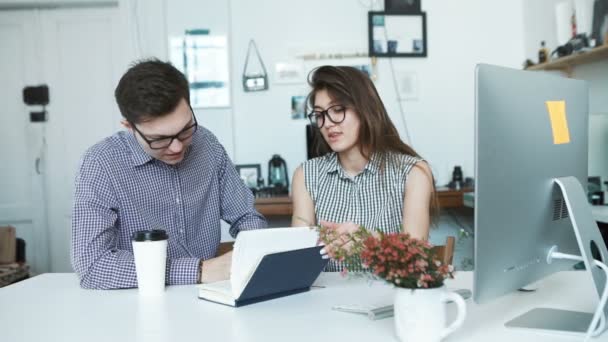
[[559, 124]]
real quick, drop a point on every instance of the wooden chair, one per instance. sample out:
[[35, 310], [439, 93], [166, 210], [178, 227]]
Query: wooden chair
[[225, 247], [444, 252]]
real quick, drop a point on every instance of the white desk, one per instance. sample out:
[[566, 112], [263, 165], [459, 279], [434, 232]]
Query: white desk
[[52, 307]]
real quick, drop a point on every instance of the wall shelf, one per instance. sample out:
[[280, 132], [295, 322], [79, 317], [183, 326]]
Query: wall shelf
[[566, 64]]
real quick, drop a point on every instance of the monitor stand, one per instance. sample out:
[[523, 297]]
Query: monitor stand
[[586, 231]]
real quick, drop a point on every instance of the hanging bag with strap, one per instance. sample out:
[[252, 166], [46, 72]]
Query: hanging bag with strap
[[254, 81]]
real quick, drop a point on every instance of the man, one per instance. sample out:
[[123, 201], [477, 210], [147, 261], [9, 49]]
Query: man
[[164, 172]]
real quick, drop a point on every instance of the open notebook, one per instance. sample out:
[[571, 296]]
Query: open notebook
[[267, 264]]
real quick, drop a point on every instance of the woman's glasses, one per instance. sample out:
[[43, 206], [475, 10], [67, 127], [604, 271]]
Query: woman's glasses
[[335, 114]]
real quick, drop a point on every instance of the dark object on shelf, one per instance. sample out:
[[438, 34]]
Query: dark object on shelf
[[457, 179], [7, 244], [595, 195], [270, 191], [528, 63], [18, 269], [576, 44], [277, 174], [402, 6], [20, 255], [600, 21], [467, 183], [543, 53], [596, 198]]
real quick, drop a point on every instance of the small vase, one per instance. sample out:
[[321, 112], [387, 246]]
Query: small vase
[[420, 314]]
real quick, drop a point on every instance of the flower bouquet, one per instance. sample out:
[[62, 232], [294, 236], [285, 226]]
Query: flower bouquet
[[413, 267], [397, 258]]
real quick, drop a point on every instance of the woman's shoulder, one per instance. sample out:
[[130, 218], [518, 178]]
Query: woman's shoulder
[[399, 159], [322, 163], [315, 171], [402, 163]]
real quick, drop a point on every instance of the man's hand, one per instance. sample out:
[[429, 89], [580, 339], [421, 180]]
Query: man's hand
[[216, 269], [343, 232]]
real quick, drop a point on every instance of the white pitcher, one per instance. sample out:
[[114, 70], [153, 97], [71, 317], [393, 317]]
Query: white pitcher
[[420, 314]]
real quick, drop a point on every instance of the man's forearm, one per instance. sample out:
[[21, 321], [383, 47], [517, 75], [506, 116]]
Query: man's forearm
[[183, 271], [249, 221], [113, 270], [116, 270]]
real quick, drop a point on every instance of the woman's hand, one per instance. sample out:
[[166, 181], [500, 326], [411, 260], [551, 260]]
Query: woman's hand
[[341, 237]]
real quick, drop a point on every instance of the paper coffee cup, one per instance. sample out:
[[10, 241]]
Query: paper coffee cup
[[150, 252]]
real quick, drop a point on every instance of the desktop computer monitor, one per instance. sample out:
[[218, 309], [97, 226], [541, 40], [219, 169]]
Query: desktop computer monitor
[[531, 129]]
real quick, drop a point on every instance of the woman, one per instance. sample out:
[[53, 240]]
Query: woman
[[369, 177]]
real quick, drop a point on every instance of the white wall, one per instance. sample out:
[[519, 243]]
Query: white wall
[[440, 121], [539, 16], [214, 16], [539, 25], [257, 125]]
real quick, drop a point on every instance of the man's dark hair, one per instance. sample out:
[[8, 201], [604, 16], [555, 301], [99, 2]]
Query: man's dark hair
[[150, 88]]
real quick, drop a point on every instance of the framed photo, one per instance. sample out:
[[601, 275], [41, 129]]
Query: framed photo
[[397, 34], [402, 6], [249, 173], [203, 59], [298, 107]]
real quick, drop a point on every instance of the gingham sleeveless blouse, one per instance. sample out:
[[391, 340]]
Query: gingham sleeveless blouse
[[373, 198]]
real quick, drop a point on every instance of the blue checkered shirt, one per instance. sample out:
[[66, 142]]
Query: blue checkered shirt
[[121, 189]]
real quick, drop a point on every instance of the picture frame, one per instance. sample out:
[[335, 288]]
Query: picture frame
[[402, 6], [397, 34], [203, 59], [249, 173], [298, 107]]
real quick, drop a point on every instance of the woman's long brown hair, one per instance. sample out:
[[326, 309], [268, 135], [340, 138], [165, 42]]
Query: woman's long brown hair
[[377, 133]]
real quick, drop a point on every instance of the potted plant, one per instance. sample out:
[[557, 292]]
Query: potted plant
[[413, 268]]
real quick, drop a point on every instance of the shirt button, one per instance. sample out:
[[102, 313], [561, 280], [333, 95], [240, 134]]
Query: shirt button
[[177, 200], [181, 231]]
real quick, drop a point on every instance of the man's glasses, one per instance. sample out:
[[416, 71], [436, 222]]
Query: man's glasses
[[164, 142], [335, 114]]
